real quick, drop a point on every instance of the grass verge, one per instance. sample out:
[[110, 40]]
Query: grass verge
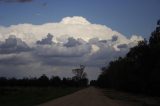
[[128, 97], [30, 96]]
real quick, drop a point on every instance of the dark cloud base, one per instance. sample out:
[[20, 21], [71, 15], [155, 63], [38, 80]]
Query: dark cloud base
[[16, 1], [17, 56]]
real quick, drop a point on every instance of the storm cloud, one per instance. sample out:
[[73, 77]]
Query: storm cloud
[[76, 41], [72, 42], [13, 45], [47, 40]]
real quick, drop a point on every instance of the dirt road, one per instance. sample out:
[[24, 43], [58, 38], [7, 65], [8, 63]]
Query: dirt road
[[87, 97]]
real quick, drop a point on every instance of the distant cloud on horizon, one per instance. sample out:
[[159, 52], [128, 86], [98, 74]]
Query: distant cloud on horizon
[[68, 43]]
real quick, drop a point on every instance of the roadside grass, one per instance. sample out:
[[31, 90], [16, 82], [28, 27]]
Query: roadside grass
[[137, 98], [31, 96]]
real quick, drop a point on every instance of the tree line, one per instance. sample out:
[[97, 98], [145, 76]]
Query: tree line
[[138, 71], [79, 80]]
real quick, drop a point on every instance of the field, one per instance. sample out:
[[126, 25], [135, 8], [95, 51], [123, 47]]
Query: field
[[29, 96]]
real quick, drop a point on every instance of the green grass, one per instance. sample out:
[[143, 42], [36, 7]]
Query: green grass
[[29, 96], [139, 99]]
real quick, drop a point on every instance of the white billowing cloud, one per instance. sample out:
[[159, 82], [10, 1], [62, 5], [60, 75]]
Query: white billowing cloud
[[75, 20], [95, 49], [77, 27], [68, 43]]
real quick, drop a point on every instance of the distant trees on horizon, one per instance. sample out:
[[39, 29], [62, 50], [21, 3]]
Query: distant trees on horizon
[[79, 80], [42, 81]]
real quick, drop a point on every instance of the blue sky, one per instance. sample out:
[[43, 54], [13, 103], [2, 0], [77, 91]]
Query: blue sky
[[126, 16], [88, 32]]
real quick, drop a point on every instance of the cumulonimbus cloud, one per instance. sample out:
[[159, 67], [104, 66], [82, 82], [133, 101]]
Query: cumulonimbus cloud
[[76, 27], [70, 42]]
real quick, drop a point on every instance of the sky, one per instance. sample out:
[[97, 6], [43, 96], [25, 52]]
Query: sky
[[126, 16], [54, 36]]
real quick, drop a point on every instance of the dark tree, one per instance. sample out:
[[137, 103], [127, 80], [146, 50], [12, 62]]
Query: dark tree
[[155, 36], [93, 83], [138, 71], [80, 76], [79, 73], [43, 80], [55, 81]]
